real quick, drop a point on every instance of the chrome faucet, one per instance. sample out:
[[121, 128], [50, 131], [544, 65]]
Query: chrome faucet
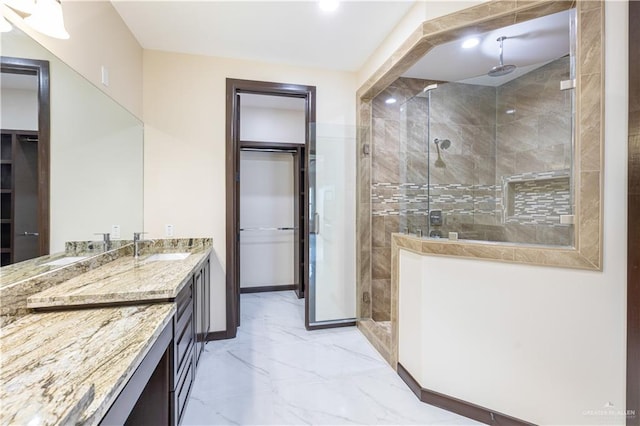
[[136, 243], [106, 240]]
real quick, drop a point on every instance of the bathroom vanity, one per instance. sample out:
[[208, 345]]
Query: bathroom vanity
[[113, 342]]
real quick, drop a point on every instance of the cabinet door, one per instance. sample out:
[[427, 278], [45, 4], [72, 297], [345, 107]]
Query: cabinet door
[[206, 300], [198, 314]]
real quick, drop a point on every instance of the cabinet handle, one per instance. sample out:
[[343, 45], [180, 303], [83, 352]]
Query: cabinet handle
[[31, 234]]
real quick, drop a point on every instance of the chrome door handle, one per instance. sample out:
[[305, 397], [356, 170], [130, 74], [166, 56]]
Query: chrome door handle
[[31, 234], [316, 224]]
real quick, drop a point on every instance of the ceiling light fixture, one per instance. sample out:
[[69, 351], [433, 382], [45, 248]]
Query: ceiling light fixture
[[45, 16], [47, 19], [24, 6], [390, 101], [328, 5], [470, 42]]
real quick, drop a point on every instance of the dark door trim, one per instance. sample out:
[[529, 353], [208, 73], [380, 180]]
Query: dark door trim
[[232, 164], [41, 70], [633, 222]]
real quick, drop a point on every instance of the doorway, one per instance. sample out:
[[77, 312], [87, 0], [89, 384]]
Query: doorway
[[25, 159], [275, 144], [270, 220]]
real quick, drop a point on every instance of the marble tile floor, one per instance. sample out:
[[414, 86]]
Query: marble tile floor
[[277, 373]]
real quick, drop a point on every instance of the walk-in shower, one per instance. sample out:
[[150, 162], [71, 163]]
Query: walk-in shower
[[483, 156]]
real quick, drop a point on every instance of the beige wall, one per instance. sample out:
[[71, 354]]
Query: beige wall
[[184, 115], [546, 345], [98, 37]]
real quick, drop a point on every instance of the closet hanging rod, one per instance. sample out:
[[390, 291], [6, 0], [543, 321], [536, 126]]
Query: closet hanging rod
[[278, 150], [285, 228]]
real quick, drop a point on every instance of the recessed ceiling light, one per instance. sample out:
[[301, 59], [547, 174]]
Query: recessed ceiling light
[[390, 101], [470, 42], [328, 5]]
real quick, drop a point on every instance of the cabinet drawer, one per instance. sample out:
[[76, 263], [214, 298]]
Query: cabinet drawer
[[184, 338], [184, 300], [182, 391]]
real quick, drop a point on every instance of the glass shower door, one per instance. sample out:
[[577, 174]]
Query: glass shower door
[[331, 295]]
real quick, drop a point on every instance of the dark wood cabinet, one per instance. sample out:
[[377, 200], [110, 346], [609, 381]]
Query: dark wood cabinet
[[202, 308], [192, 323], [161, 385]]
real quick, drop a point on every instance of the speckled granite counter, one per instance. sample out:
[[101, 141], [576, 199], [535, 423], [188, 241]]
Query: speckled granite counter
[[75, 251], [24, 279], [123, 280], [56, 364]]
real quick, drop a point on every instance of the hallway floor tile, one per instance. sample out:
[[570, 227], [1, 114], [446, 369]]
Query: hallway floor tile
[[277, 373]]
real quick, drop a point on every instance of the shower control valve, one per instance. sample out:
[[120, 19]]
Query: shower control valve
[[435, 217]]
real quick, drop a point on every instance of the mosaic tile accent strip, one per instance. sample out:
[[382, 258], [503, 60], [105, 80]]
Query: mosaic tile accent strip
[[529, 198], [411, 199]]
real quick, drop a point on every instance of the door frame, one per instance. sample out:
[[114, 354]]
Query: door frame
[[40, 69], [235, 87]]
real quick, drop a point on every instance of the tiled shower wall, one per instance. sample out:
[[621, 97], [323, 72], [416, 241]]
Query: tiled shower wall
[[514, 134], [398, 153], [533, 139]]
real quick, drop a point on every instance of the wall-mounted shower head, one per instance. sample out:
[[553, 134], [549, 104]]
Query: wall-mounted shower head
[[442, 143], [502, 69]]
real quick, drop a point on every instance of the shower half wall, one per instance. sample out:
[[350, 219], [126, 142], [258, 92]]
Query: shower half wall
[[504, 177]]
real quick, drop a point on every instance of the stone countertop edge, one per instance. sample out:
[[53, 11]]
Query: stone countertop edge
[[43, 381], [60, 296]]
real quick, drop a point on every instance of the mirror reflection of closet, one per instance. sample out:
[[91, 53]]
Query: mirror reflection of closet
[[24, 160], [96, 157]]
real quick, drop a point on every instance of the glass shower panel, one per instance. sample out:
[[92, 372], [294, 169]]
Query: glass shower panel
[[332, 292], [414, 154], [462, 188]]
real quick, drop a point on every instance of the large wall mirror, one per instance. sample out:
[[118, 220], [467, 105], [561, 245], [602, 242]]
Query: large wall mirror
[[96, 156]]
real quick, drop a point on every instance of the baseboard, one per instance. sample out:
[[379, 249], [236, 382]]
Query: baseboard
[[214, 335], [458, 406], [330, 325], [266, 288]]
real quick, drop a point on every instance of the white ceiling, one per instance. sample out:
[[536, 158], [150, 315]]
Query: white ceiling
[[289, 32], [530, 44]]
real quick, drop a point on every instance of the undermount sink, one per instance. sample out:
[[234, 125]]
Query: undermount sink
[[167, 256], [64, 261]]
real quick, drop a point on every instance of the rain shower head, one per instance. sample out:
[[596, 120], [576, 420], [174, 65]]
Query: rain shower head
[[502, 69]]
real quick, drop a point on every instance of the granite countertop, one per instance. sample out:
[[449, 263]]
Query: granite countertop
[[123, 280], [40, 265], [70, 366], [75, 251]]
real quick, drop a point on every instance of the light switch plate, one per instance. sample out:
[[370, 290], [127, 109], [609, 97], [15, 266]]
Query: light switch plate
[[115, 232], [105, 76], [168, 230]]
